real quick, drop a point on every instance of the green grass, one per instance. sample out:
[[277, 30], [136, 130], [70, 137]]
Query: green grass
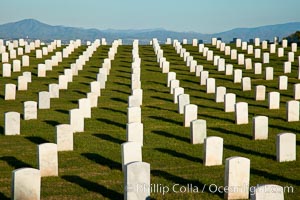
[[93, 169]]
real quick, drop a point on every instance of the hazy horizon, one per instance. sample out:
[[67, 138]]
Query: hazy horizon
[[188, 16]]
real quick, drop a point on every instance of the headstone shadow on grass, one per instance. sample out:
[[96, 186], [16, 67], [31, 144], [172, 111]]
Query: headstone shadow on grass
[[219, 118], [89, 77], [156, 82], [161, 108], [120, 76], [3, 197], [288, 129], [248, 151], [52, 122], [63, 111], [114, 110], [238, 134], [123, 92], [94, 187], [169, 135], [166, 120], [274, 177], [158, 91], [123, 71], [102, 161], [182, 181], [1, 130], [109, 138], [151, 70], [110, 122], [80, 92], [161, 98], [14, 162], [119, 100], [36, 139], [179, 155], [122, 84]]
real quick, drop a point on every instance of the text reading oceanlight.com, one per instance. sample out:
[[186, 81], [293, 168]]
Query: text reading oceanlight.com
[[211, 188]]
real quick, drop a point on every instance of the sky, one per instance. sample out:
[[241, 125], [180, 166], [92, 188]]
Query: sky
[[204, 16]]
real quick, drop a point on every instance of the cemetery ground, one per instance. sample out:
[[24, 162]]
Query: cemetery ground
[[93, 170]]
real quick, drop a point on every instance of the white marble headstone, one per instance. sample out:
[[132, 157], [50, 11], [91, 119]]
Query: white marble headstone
[[229, 69], [136, 178], [77, 120], [266, 57], [237, 177], [54, 90], [16, 65], [213, 151], [12, 123], [48, 159], [42, 70], [203, 76], [260, 93], [22, 83], [135, 132], [190, 114], [297, 91], [134, 115], [237, 75], [198, 131], [30, 110], [85, 107], [10, 91], [6, 70], [63, 82], [287, 67], [210, 85], [260, 127], [246, 84], [171, 76], [229, 102], [25, 61], [165, 67], [26, 184], [199, 69], [283, 83], [64, 137], [131, 152], [257, 68], [286, 147], [248, 63], [176, 92], [220, 94], [174, 84], [269, 73], [268, 192], [292, 111], [44, 100], [241, 113], [183, 100], [274, 100]]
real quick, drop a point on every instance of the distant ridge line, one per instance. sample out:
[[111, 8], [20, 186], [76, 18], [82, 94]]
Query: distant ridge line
[[35, 29]]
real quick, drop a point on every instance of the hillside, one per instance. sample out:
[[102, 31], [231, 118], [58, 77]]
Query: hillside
[[295, 37], [31, 28]]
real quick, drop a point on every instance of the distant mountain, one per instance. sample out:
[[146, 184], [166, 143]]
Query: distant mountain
[[33, 29], [263, 32]]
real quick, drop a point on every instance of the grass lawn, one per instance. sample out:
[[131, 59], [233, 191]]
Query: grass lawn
[[93, 170]]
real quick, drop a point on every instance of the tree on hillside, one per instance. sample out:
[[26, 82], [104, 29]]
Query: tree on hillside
[[295, 37]]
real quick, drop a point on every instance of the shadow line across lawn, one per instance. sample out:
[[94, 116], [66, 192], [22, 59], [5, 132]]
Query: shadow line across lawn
[[93, 187]]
